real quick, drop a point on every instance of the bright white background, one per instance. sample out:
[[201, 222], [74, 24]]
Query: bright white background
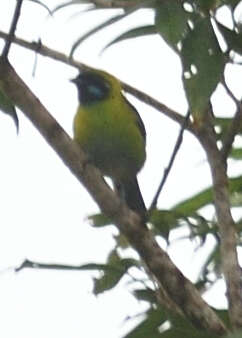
[[43, 209]]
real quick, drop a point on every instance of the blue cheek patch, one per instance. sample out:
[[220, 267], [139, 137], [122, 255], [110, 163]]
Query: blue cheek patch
[[95, 91]]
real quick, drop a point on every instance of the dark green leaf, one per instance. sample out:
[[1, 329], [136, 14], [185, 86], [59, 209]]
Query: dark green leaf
[[133, 33], [147, 295], [232, 38], [171, 21], [205, 6], [164, 221], [236, 154], [149, 327], [7, 107], [203, 65], [181, 328]]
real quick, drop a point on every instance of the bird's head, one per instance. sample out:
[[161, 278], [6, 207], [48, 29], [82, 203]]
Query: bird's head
[[94, 85]]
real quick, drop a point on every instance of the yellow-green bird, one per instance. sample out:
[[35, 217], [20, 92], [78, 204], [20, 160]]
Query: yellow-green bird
[[109, 129]]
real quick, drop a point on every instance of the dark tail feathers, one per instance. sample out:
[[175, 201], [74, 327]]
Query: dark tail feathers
[[130, 192]]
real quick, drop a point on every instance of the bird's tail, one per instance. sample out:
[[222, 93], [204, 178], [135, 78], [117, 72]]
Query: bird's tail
[[130, 192]]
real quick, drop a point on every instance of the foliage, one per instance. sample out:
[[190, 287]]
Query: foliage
[[205, 46], [193, 31]]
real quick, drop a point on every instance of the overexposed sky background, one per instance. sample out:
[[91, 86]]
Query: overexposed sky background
[[44, 209]]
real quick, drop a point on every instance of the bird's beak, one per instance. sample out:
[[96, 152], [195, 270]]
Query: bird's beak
[[73, 80]]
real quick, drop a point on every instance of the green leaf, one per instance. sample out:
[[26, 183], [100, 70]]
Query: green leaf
[[133, 33], [149, 327], [203, 65], [171, 21], [7, 107], [115, 270], [181, 327], [191, 205], [232, 38], [147, 295], [205, 6], [236, 154], [99, 220], [164, 221]]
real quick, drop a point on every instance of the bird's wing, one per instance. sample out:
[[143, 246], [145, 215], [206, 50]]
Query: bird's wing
[[138, 118]]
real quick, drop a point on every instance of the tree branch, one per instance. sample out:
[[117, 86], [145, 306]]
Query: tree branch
[[179, 289], [228, 236], [39, 48], [235, 125], [172, 159], [12, 28]]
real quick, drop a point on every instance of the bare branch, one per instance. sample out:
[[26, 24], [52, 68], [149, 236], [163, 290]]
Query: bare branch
[[12, 28], [39, 48], [172, 159], [179, 289]]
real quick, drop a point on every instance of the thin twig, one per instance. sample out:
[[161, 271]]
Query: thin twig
[[12, 29], [235, 124], [84, 267], [55, 55], [172, 159]]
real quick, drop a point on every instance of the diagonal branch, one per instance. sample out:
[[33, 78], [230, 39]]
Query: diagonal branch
[[39, 48], [12, 28], [172, 159], [179, 289]]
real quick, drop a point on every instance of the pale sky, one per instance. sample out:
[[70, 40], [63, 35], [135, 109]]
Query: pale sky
[[44, 209]]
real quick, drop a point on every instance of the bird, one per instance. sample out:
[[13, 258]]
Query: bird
[[111, 132]]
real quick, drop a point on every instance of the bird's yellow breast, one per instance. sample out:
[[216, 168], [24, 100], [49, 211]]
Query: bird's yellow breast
[[108, 132]]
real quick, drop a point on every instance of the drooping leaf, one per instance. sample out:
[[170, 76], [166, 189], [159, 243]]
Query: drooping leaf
[[106, 23], [203, 65], [43, 5], [171, 21], [69, 3], [133, 33], [7, 107]]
